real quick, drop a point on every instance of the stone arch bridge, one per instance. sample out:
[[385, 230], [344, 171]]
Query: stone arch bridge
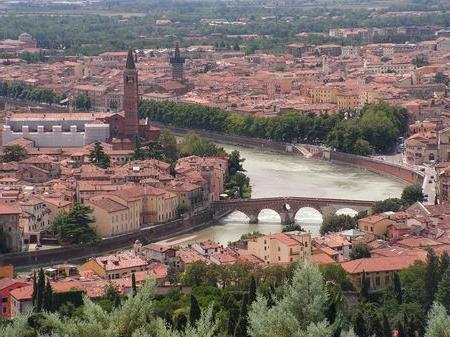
[[287, 207]]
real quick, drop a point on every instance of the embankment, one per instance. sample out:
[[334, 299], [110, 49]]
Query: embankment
[[79, 252]]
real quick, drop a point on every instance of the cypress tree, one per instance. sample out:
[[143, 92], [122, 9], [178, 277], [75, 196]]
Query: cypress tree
[[401, 330], [387, 331], [168, 318], [180, 322], [194, 312], [359, 325], [431, 278], [365, 285], [443, 293], [375, 327], [233, 317], [40, 291], [241, 327], [133, 284], [398, 289], [444, 263], [47, 304], [33, 296], [252, 291]]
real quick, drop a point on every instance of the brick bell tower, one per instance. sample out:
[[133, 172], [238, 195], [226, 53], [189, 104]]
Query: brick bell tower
[[130, 98]]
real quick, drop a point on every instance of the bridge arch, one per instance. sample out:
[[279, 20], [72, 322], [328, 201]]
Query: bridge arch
[[269, 215], [307, 213], [347, 211], [238, 215]]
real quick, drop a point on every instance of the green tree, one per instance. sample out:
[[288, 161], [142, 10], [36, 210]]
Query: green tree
[[83, 102], [337, 223], [47, 304], [365, 287], [444, 263], [40, 291], [241, 326], [387, 331], [431, 277], [169, 145], [98, 156], [74, 226], [235, 163], [239, 186], [443, 292], [35, 289], [440, 77], [362, 147], [302, 307], [387, 205], [412, 194], [359, 325], [194, 311], [398, 291], [438, 324], [4, 238], [112, 295], [359, 251], [133, 284], [155, 151], [252, 291], [138, 151], [14, 152]]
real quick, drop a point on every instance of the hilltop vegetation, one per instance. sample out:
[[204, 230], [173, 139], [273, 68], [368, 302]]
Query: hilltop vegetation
[[301, 301]]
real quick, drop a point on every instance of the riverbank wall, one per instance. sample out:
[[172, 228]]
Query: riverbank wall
[[79, 252], [403, 173]]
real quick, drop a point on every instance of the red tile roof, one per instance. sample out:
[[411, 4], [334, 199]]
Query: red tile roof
[[378, 264]]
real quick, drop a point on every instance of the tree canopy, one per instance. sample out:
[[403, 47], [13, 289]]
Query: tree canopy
[[74, 226]]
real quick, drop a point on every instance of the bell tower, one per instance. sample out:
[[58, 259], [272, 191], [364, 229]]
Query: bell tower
[[130, 98], [177, 63]]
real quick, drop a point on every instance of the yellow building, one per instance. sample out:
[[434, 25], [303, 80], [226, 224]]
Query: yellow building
[[281, 247], [323, 94], [159, 205], [56, 206], [188, 194], [347, 100], [375, 224], [111, 216]]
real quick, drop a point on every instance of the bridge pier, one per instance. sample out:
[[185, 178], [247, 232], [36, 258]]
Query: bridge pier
[[253, 218], [287, 218]]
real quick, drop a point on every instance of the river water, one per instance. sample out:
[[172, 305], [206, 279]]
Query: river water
[[276, 174]]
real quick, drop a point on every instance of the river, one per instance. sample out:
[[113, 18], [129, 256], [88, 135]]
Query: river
[[276, 174]]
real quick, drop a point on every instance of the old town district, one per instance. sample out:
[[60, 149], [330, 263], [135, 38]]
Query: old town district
[[57, 175]]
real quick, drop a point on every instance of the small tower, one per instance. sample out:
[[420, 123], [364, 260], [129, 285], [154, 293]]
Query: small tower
[[130, 98], [177, 63]]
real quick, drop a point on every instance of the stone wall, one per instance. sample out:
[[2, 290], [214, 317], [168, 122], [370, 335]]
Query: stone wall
[[403, 173], [80, 252]]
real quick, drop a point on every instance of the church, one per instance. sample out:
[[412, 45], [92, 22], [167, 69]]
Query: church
[[78, 129]]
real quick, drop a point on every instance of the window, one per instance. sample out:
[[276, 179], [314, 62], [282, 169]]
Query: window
[[377, 281]]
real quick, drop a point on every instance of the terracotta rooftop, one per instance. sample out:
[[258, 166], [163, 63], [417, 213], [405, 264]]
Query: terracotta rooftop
[[378, 264]]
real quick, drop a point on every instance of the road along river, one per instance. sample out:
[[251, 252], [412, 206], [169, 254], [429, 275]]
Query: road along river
[[275, 174]]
